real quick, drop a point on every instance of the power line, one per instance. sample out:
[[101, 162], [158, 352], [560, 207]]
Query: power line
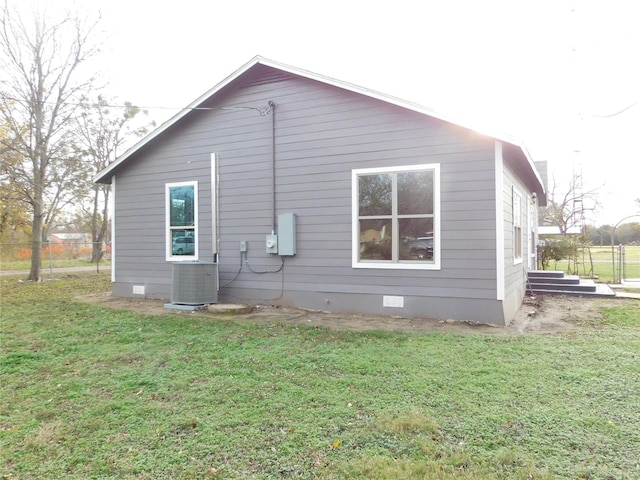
[[262, 110], [96, 105], [617, 113]]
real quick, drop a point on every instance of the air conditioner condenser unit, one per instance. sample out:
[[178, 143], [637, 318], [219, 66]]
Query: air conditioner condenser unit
[[194, 283]]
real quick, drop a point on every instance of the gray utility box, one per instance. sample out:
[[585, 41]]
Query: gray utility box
[[194, 283], [287, 234]]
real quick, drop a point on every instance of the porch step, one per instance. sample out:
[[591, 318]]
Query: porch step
[[555, 282], [566, 280], [546, 274]]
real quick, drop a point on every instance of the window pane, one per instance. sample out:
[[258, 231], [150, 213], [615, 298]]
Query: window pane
[[183, 241], [517, 237], [375, 239], [415, 192], [517, 208], [374, 194], [182, 204], [416, 238]]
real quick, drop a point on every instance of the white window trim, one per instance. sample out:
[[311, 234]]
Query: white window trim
[[516, 209], [533, 235], [355, 238], [113, 229], [500, 219], [168, 240]]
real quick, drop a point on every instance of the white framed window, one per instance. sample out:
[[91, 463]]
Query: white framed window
[[532, 241], [517, 225], [181, 213], [396, 217]]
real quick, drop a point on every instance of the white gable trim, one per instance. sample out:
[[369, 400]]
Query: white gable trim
[[312, 76]]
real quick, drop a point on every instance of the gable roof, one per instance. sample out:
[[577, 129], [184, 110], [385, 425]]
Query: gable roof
[[105, 175]]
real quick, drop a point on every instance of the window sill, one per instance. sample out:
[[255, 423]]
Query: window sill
[[183, 258], [397, 266]]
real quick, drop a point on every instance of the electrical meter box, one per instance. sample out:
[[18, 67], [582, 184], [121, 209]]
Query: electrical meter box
[[287, 234], [271, 241]]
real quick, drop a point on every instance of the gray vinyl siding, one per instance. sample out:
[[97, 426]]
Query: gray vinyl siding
[[515, 273], [322, 134]]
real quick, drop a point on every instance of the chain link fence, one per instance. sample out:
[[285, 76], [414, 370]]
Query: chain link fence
[[626, 260], [54, 254]]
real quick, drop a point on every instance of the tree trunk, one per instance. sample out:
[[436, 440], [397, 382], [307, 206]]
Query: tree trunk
[[96, 251], [96, 243], [99, 229], [39, 166], [105, 221], [35, 274]]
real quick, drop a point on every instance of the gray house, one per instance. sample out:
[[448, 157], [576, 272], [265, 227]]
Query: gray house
[[281, 186]]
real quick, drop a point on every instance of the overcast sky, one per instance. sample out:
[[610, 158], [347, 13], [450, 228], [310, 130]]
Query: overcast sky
[[554, 73]]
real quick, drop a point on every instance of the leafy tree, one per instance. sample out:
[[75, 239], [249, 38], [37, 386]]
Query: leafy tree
[[14, 217], [40, 83], [554, 249], [102, 133], [628, 233], [601, 235], [567, 248]]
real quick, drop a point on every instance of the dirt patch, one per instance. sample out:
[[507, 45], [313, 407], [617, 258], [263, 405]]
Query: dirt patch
[[547, 314], [556, 314]]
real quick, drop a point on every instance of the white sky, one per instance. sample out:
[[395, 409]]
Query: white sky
[[544, 71]]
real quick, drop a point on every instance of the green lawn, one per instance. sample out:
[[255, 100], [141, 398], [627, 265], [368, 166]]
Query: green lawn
[[602, 263], [89, 392]]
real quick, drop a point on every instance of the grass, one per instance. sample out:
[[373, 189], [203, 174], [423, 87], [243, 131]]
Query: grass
[[602, 263], [89, 392]]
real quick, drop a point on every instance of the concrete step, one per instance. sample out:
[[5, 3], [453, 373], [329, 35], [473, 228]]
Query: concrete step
[[566, 280], [563, 287], [546, 273], [597, 293], [556, 282], [596, 290]]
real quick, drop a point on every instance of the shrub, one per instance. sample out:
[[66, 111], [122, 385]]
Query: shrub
[[56, 250], [556, 249], [23, 254]]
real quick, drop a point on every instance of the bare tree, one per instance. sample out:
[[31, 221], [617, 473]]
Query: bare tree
[[40, 83], [569, 206], [102, 132]]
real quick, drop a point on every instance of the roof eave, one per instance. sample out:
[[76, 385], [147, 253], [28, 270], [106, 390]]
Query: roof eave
[[542, 191], [105, 175]]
